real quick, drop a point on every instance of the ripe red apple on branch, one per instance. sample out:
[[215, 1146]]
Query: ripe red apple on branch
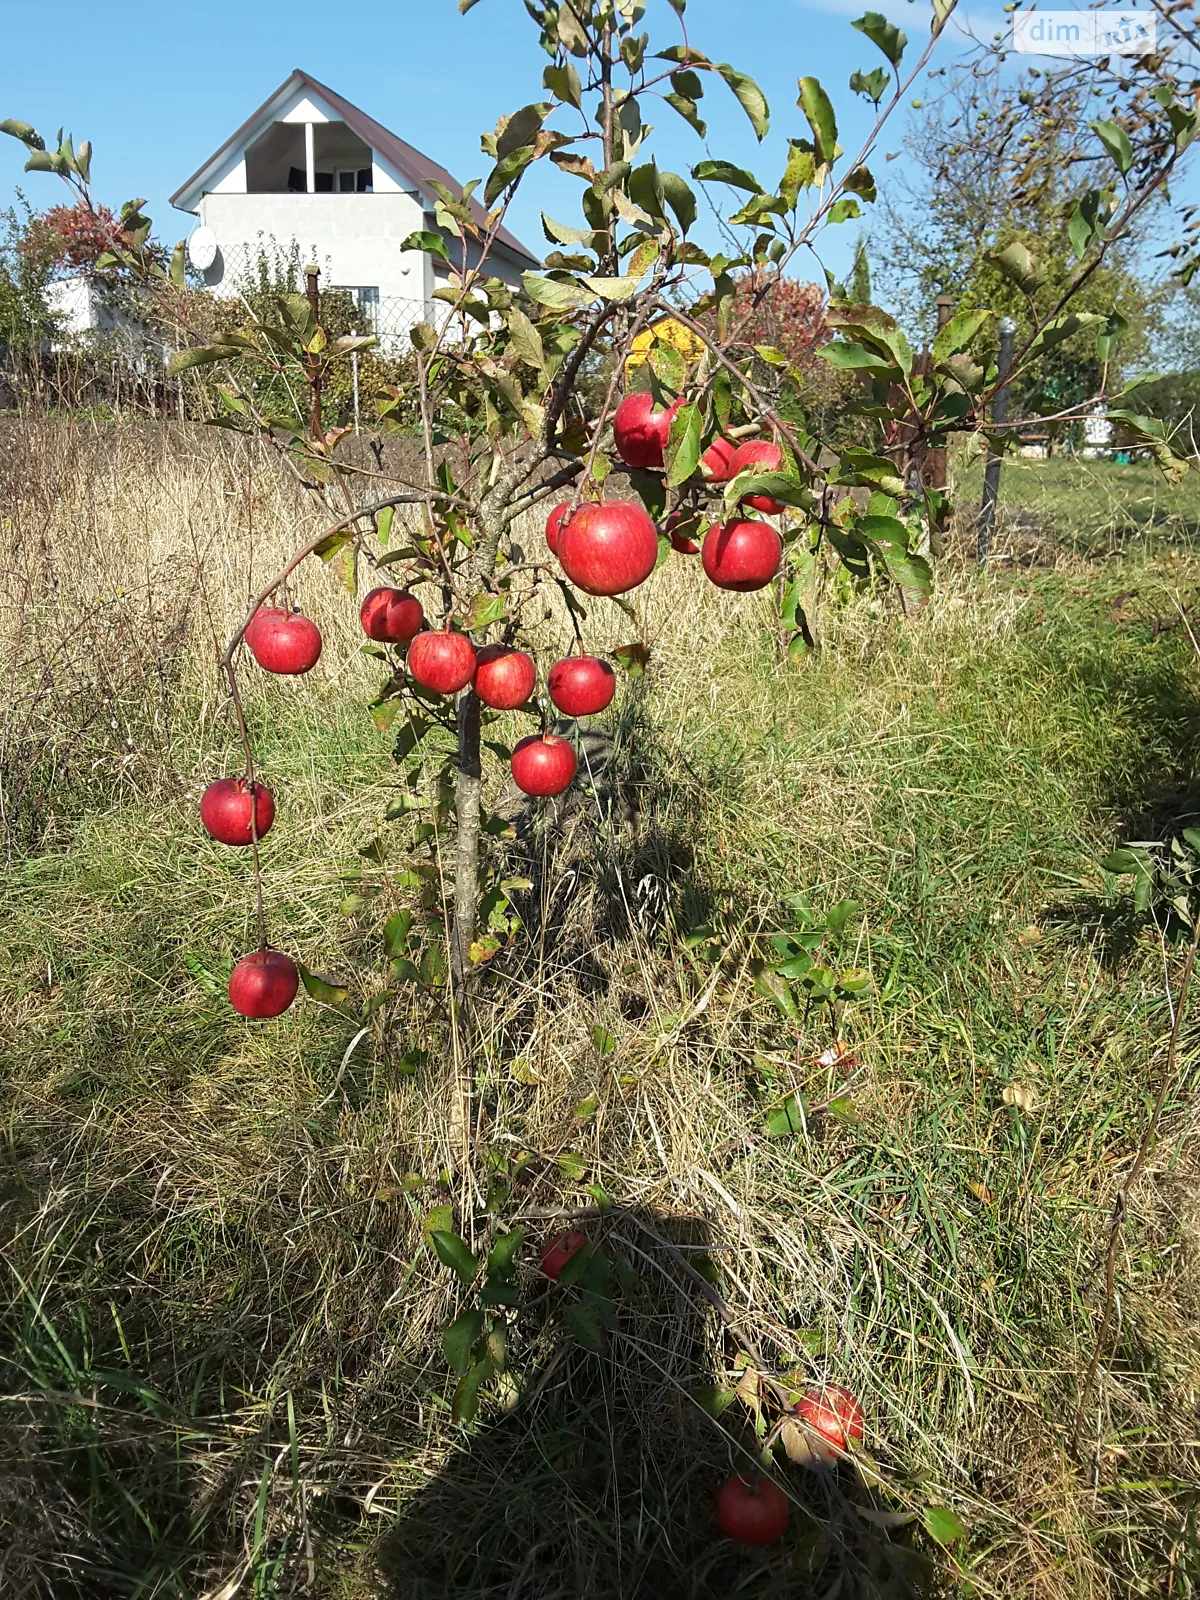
[[391, 616], [543, 765], [608, 548], [752, 1510], [640, 432], [554, 526], [759, 455], [263, 984], [443, 662], [283, 642], [580, 686], [227, 806], [835, 1416], [504, 677], [742, 556]]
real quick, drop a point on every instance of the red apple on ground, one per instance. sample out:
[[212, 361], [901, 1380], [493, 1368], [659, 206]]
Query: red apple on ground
[[835, 1415], [679, 528], [391, 616], [226, 806], [558, 1251], [263, 984], [741, 555], [752, 1510], [759, 455], [443, 661], [504, 678], [543, 764], [283, 641], [581, 685], [554, 526], [640, 432], [608, 548], [716, 463]]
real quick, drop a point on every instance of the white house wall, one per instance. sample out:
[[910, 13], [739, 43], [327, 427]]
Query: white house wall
[[356, 237]]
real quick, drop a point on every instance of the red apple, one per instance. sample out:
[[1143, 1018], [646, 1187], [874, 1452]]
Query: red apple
[[225, 808], [443, 662], [558, 1251], [554, 526], [679, 528], [608, 548], [543, 764], [752, 1510], [391, 616], [716, 463], [640, 432], [581, 685], [283, 641], [835, 1415], [741, 555], [504, 678], [264, 984], [759, 455]]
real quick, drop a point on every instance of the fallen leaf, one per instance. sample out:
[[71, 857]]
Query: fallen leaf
[[1017, 1094], [981, 1192]]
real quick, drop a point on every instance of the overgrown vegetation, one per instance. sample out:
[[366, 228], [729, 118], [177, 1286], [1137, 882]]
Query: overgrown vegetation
[[222, 1331]]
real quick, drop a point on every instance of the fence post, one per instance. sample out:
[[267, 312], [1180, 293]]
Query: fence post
[[354, 375], [991, 474], [315, 427]]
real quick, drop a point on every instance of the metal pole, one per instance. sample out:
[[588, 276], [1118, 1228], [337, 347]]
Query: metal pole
[[354, 374], [991, 475]]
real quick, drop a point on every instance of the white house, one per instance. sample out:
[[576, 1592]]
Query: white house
[[311, 172]]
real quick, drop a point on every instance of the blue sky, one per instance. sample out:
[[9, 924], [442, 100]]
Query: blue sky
[[158, 87]]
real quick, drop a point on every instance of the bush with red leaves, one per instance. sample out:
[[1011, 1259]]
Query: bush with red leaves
[[73, 236]]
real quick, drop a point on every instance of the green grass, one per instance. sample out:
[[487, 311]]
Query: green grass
[[1091, 507], [221, 1340]]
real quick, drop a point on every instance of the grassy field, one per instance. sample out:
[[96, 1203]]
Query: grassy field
[[221, 1334]]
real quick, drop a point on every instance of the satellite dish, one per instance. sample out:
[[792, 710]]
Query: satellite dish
[[202, 249]]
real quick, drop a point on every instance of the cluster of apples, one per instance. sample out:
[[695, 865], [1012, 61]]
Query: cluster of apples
[[755, 1510], [611, 547]]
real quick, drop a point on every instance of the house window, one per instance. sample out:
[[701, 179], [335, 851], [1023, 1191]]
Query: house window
[[354, 180]]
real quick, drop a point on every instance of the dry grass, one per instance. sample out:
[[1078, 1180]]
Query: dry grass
[[222, 1333]]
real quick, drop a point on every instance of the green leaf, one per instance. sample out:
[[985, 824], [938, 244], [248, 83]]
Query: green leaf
[[615, 288], [459, 1337], [438, 1217], [688, 110], [843, 210], [882, 33], [800, 172], [465, 1405], [726, 172], [502, 1255], [1018, 266], [197, 356], [1116, 141], [1089, 219], [941, 1524], [604, 1041], [870, 85], [507, 172], [395, 934], [557, 293], [564, 82], [586, 1109], [328, 994], [453, 1253], [680, 198], [818, 109], [24, 132], [432, 244], [1062, 328], [787, 1119], [750, 97], [177, 271], [571, 1164], [682, 454], [520, 130], [854, 358], [958, 333], [714, 1398], [584, 1323], [774, 987]]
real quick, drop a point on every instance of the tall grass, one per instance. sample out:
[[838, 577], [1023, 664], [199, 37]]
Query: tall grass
[[221, 1332]]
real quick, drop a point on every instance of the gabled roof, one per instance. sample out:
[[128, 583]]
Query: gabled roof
[[423, 172]]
